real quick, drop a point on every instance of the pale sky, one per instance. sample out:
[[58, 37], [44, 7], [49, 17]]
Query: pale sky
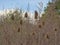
[[8, 4]]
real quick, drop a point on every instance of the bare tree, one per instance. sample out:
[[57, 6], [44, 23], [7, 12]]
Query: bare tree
[[40, 6], [28, 7]]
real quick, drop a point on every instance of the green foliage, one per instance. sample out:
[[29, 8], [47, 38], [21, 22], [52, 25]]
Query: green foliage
[[57, 7], [45, 10], [58, 4], [49, 3], [44, 16]]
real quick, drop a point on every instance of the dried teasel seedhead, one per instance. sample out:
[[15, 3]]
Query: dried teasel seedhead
[[39, 26], [55, 29], [18, 29], [21, 22], [26, 15], [47, 36], [36, 14], [33, 33]]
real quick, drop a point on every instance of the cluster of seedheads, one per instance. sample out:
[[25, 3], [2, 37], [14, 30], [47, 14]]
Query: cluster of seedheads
[[35, 15]]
